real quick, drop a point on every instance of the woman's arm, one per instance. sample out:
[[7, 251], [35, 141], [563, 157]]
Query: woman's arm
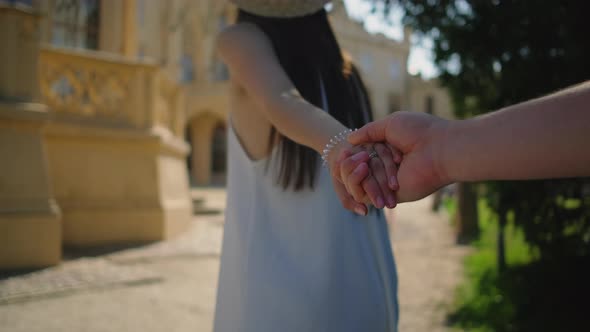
[[254, 67]]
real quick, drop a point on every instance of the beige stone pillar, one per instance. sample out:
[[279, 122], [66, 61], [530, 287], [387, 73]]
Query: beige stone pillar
[[111, 25], [130, 28], [19, 37], [30, 220]]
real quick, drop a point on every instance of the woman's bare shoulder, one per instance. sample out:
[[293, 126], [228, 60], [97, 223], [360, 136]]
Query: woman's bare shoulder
[[240, 35]]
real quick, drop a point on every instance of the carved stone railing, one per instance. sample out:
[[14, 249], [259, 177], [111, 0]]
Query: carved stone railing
[[101, 88]]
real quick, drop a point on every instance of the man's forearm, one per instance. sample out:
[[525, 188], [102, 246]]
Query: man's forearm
[[543, 138]]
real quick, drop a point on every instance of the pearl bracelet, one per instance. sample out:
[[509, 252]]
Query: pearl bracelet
[[337, 139]]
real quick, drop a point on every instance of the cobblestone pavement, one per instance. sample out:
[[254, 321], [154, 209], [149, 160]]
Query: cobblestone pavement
[[170, 286]]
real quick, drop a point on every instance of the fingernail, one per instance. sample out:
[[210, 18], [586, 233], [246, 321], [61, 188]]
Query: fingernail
[[360, 169], [380, 203], [359, 210], [393, 183], [390, 202], [358, 156]]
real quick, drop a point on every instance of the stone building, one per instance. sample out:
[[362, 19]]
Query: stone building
[[92, 121], [111, 109]]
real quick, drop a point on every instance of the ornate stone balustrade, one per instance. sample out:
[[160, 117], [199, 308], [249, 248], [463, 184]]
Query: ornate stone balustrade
[[101, 88], [115, 147]]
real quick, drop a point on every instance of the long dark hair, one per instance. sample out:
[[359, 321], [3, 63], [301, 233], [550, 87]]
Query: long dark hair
[[308, 52]]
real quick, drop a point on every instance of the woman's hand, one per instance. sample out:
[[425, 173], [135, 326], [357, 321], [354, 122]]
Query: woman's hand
[[419, 137], [378, 170]]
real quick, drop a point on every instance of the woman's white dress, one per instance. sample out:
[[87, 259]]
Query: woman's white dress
[[298, 261]]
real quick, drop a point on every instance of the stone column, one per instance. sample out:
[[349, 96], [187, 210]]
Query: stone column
[[130, 28], [112, 27], [30, 220]]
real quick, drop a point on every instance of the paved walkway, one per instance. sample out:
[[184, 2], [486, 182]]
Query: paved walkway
[[171, 286], [429, 266]]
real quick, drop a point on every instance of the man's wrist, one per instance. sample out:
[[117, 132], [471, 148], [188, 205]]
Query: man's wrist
[[446, 157]]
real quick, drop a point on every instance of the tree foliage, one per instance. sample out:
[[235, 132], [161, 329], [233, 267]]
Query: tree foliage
[[497, 53]]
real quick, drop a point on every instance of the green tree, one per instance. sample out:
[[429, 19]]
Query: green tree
[[496, 53]]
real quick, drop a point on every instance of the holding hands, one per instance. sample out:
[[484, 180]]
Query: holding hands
[[363, 176], [370, 184], [538, 139]]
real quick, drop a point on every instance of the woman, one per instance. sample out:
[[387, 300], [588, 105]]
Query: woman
[[293, 258]]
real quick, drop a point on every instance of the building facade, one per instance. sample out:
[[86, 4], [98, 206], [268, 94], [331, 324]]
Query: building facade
[[111, 109], [92, 123]]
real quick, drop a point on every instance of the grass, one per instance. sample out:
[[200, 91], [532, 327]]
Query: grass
[[481, 295], [531, 295], [450, 204], [481, 304]]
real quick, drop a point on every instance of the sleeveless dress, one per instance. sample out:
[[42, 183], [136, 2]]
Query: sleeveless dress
[[298, 261]]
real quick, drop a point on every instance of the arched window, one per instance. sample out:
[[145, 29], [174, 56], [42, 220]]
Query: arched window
[[75, 23]]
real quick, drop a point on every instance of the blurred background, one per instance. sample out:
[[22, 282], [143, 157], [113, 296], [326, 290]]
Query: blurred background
[[113, 118]]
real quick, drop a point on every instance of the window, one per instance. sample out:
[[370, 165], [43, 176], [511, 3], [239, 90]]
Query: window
[[429, 105], [395, 70], [394, 102], [366, 62], [75, 23], [222, 22], [187, 73], [218, 69], [20, 2], [186, 63]]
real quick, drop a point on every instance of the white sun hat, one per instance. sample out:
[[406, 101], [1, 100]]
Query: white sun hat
[[281, 8]]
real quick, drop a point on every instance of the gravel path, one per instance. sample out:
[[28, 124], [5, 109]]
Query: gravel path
[[429, 265], [171, 286]]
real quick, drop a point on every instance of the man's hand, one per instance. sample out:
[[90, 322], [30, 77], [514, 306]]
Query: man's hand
[[374, 184], [382, 167], [419, 137]]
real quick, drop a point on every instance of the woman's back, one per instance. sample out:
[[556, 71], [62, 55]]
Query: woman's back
[[297, 260], [293, 258]]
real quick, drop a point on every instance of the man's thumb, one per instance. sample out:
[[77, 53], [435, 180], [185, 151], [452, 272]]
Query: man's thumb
[[371, 132]]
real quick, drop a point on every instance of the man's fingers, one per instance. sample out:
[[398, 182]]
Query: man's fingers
[[382, 169], [372, 132], [390, 166]]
